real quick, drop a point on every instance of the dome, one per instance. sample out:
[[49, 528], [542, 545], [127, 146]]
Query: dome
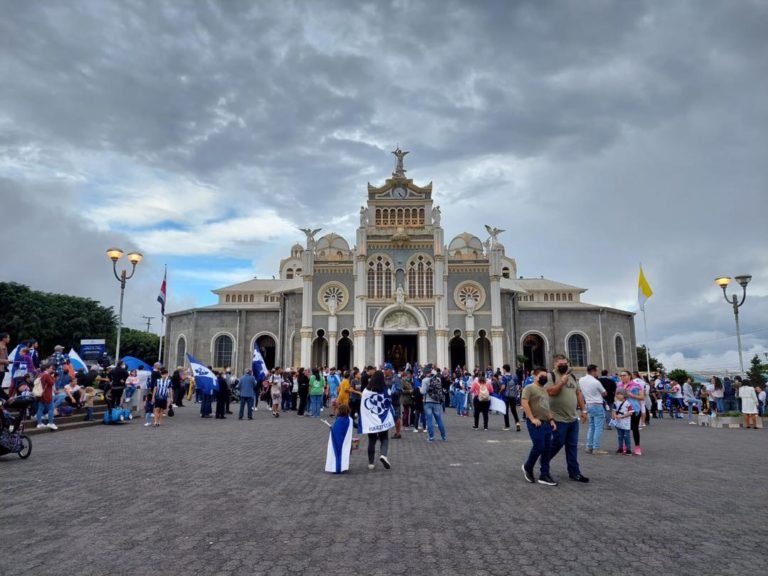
[[296, 250], [465, 246], [332, 247]]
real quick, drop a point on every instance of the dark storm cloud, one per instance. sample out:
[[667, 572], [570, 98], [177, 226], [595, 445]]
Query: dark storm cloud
[[639, 125]]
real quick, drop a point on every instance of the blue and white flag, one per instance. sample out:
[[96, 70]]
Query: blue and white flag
[[339, 445], [11, 366], [498, 404], [260, 371], [376, 412], [205, 380], [76, 361]]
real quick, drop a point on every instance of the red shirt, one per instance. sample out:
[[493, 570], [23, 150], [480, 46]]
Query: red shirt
[[475, 389], [48, 384]]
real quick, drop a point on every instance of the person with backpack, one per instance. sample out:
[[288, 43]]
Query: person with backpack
[[45, 397], [481, 391], [433, 395], [510, 390], [316, 387]]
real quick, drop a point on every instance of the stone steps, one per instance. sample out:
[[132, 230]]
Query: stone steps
[[76, 420]]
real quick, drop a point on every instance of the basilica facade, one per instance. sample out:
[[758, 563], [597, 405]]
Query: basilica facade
[[401, 294]]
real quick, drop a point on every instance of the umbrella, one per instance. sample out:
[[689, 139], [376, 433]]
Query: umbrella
[[132, 363]]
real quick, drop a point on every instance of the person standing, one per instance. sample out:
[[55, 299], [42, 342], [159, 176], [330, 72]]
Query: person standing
[[378, 385], [395, 392], [5, 338], [594, 395], [117, 379], [221, 396], [316, 388], [433, 396], [481, 400], [541, 425], [303, 383], [510, 390], [690, 399], [247, 393], [635, 394], [160, 393], [565, 402], [609, 384], [45, 402], [276, 390], [748, 399]]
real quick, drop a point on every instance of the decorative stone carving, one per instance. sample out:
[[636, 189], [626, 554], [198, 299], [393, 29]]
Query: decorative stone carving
[[469, 296], [399, 169], [469, 305], [400, 295], [333, 297], [400, 320], [436, 216]]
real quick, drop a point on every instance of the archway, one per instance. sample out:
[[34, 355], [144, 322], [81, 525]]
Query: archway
[[319, 352], [344, 352], [483, 351], [534, 350], [457, 352], [268, 349]]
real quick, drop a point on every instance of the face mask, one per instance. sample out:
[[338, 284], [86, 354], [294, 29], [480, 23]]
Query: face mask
[[563, 368], [543, 380]]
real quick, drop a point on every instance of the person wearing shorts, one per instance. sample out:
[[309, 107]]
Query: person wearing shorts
[[276, 390], [160, 397]]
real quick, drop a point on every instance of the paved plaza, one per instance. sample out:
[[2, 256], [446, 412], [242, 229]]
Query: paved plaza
[[233, 497]]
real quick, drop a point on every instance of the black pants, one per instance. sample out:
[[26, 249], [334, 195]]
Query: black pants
[[302, 403], [221, 406], [115, 394], [354, 408], [634, 423], [294, 400], [483, 407], [511, 407], [383, 438], [177, 396]]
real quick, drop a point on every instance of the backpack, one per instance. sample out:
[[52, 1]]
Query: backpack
[[435, 390], [37, 388], [484, 395]]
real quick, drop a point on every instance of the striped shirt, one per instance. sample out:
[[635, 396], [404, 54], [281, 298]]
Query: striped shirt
[[162, 387]]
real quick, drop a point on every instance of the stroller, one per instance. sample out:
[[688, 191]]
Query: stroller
[[12, 437]]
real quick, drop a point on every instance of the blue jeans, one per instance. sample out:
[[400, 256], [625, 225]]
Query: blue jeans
[[246, 401], [567, 434], [541, 438], [315, 403], [432, 409], [58, 399], [720, 402], [459, 396], [596, 415], [206, 407], [625, 439], [691, 404], [43, 407]]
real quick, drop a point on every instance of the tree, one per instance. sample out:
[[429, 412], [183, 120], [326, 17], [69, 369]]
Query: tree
[[52, 319], [139, 344], [641, 365], [756, 372], [678, 375]]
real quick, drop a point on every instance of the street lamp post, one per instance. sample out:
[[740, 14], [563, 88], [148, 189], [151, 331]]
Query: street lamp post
[[134, 258], [743, 280]]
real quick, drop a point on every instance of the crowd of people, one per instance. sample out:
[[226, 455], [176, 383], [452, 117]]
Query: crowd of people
[[554, 402]]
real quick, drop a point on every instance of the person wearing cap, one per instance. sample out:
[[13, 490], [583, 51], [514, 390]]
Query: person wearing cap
[[594, 396], [395, 391], [433, 403]]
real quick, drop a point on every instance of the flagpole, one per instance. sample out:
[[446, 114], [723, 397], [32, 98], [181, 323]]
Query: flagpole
[[647, 351], [160, 344]]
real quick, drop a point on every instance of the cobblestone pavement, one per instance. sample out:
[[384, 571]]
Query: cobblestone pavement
[[250, 497]]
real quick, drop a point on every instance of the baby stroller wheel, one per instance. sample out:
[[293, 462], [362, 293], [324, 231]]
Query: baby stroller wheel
[[26, 446]]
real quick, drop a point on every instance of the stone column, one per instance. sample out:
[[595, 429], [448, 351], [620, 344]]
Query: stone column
[[423, 352], [332, 340], [360, 323], [442, 348], [308, 263], [306, 347], [359, 350], [378, 347], [497, 348], [469, 338]]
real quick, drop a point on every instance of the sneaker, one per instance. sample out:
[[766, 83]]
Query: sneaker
[[444, 439], [506, 428], [41, 426], [147, 424], [430, 439], [589, 450], [415, 429], [517, 427], [384, 461], [528, 475], [547, 480], [579, 478], [53, 426], [371, 466], [692, 422], [475, 428], [638, 451], [621, 451]]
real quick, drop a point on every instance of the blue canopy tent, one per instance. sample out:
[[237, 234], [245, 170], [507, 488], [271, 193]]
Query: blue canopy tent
[[132, 363]]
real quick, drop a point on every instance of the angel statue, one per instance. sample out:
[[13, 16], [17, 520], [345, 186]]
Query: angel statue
[[310, 236], [494, 232], [399, 169]]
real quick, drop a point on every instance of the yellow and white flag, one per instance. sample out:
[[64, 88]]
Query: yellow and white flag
[[643, 289]]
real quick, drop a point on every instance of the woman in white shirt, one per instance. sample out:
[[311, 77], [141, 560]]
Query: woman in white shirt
[[748, 405]]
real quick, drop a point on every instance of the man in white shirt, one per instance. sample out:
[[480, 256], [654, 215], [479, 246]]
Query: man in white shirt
[[594, 393]]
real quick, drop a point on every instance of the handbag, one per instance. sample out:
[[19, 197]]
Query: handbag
[[37, 388]]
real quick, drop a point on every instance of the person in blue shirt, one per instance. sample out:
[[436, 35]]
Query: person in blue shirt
[[247, 394]]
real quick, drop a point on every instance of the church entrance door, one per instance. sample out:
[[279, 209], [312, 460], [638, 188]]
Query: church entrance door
[[400, 349], [458, 352], [533, 350]]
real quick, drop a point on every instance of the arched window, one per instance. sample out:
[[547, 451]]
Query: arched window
[[378, 216], [421, 216], [250, 298], [570, 297], [546, 297], [577, 350], [228, 298], [289, 273], [420, 277], [181, 351], [557, 297], [379, 277], [505, 272], [298, 272], [619, 345], [222, 351]]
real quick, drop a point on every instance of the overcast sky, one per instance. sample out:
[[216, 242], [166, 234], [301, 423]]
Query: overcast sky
[[598, 134]]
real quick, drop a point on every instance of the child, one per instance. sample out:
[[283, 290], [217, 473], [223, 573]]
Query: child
[[460, 398], [90, 394], [622, 412], [148, 410], [339, 442]]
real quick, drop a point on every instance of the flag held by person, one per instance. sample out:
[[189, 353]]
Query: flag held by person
[[498, 404], [339, 446], [205, 380], [259, 367], [643, 289], [375, 412], [161, 297]]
